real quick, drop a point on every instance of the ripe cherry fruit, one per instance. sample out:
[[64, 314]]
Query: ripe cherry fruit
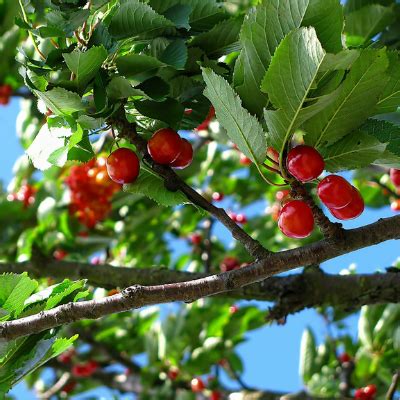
[[173, 373], [197, 385], [196, 239], [296, 219], [216, 196], [123, 166], [215, 395], [5, 93], [353, 210], [305, 163], [335, 192], [165, 146], [204, 125], [273, 154], [370, 390], [344, 358], [395, 206], [229, 263], [185, 157], [395, 176]]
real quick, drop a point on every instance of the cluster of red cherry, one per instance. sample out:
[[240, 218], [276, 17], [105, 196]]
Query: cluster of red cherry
[[91, 191], [395, 178], [365, 393], [343, 200], [165, 147], [5, 94], [81, 370], [197, 385], [25, 194]]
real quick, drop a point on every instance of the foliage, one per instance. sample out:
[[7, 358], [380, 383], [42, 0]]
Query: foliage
[[277, 73]]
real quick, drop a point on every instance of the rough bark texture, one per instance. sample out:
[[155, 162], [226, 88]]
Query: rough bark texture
[[138, 296]]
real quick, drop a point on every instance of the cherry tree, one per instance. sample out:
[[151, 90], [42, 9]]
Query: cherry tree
[[150, 127]]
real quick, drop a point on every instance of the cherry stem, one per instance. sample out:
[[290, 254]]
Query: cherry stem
[[275, 171], [272, 160]]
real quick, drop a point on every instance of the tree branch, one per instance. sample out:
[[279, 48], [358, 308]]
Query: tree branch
[[188, 291], [290, 293], [173, 182], [393, 387]]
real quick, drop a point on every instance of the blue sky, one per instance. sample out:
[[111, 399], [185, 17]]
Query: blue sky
[[271, 354]]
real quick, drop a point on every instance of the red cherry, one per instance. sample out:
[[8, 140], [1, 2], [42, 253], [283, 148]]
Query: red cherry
[[215, 395], [66, 357], [240, 218], [185, 157], [229, 263], [196, 239], [164, 146], [360, 395], [296, 219], [173, 373], [233, 309], [344, 358], [335, 192], [197, 385], [69, 387], [353, 210], [244, 160], [281, 194], [273, 154], [395, 176], [60, 254], [395, 205], [123, 166], [370, 390], [305, 163], [216, 196], [204, 125]]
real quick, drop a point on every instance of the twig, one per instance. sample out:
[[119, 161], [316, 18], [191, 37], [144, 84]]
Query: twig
[[393, 386], [56, 387], [329, 229], [174, 183]]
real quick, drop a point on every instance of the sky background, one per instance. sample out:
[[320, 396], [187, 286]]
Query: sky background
[[271, 354]]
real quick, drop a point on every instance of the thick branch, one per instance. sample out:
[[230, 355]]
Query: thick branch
[[139, 296], [290, 293]]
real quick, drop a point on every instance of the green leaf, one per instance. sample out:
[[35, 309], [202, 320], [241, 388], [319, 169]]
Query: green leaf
[[307, 355], [120, 88], [385, 326], [62, 292], [366, 325], [355, 101], [61, 101], [326, 16], [204, 15], [262, 31], [85, 64], [153, 187], [388, 134], [222, 39], [356, 150], [288, 81], [138, 67], [175, 54], [47, 142], [169, 110], [366, 22], [14, 290], [390, 98], [242, 128], [179, 15], [134, 18]]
